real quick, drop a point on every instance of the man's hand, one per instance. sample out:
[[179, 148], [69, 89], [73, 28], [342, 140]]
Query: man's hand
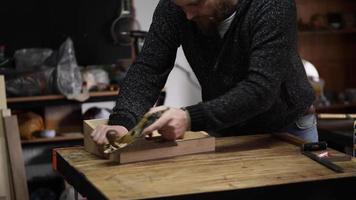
[[171, 125], [99, 134]]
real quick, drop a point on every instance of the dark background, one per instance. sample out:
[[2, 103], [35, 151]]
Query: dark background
[[47, 23]]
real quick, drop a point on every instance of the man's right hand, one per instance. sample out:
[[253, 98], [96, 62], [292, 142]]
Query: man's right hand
[[99, 133]]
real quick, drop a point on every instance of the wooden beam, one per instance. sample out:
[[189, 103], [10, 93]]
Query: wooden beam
[[6, 191], [5, 172], [16, 158], [3, 105]]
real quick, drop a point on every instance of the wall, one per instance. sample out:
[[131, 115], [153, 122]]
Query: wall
[[182, 86], [332, 51]]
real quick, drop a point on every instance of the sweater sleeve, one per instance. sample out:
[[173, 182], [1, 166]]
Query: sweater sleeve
[[273, 30], [148, 74]]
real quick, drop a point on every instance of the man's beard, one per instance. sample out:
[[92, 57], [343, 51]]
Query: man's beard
[[208, 26]]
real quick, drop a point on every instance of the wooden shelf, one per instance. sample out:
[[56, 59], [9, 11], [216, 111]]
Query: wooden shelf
[[338, 108], [61, 138], [328, 32], [56, 97], [47, 100]]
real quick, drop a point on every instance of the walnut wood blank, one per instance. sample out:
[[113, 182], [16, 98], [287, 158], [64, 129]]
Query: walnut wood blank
[[155, 148]]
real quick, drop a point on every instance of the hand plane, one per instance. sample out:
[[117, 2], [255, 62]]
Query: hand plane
[[116, 143]]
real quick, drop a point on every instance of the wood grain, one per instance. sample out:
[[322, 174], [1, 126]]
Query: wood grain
[[3, 105], [142, 150], [5, 175], [155, 148], [238, 163], [16, 158], [89, 144]]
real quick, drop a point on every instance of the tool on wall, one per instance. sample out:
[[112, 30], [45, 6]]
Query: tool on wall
[[308, 148], [122, 26]]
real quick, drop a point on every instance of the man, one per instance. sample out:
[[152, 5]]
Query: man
[[244, 54]]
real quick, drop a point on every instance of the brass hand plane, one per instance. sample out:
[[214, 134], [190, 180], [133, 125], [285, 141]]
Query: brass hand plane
[[116, 143]]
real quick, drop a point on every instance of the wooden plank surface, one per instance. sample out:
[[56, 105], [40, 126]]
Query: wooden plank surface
[[155, 148], [3, 105], [5, 175], [5, 189], [239, 163], [89, 144], [142, 149], [16, 158]]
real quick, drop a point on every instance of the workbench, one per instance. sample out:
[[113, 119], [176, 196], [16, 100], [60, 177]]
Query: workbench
[[248, 167]]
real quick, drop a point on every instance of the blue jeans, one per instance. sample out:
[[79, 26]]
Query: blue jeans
[[305, 128]]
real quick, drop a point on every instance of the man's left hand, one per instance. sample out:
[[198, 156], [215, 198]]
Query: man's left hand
[[171, 125]]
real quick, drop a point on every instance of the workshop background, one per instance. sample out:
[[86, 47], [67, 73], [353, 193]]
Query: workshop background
[[39, 38]]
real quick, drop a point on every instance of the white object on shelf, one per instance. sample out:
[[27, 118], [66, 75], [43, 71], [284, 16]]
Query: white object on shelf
[[48, 133]]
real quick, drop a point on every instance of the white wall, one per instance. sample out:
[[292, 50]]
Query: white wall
[[181, 91]]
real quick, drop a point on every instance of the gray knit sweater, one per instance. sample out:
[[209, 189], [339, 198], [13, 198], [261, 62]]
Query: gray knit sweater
[[252, 80]]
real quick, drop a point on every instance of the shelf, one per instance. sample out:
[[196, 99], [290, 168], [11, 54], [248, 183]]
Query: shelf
[[328, 32], [62, 138], [47, 100], [338, 108], [56, 97]]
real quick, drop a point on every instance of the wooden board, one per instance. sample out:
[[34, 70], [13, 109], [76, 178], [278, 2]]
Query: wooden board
[[156, 148], [3, 105], [16, 158], [239, 164], [5, 175], [5, 172], [89, 144], [142, 150]]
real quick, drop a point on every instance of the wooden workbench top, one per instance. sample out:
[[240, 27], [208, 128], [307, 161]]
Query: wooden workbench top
[[238, 163]]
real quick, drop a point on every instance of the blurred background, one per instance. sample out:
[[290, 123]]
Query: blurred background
[[63, 62]]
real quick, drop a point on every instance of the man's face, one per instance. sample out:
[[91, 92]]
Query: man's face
[[205, 13]]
